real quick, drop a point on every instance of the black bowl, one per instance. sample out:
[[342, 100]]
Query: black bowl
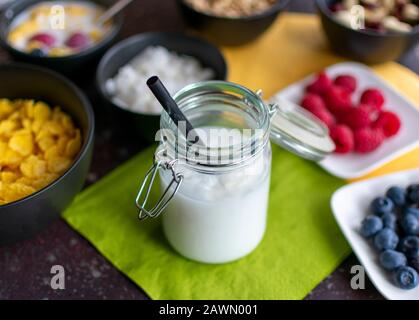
[[24, 218], [143, 124], [72, 65], [231, 31], [364, 45]]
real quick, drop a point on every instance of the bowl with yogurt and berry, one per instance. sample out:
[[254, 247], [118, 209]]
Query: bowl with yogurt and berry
[[371, 31], [66, 35]]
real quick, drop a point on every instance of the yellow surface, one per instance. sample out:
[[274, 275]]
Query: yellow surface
[[296, 47]]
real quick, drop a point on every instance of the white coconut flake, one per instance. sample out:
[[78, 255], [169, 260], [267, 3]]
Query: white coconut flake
[[129, 89]]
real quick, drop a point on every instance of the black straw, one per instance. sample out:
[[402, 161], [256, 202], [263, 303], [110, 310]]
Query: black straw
[[168, 104]]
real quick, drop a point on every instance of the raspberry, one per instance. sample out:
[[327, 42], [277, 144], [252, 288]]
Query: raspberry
[[314, 104], [367, 139], [346, 82], [388, 122], [44, 38], [373, 97], [312, 101], [372, 110], [320, 85], [343, 138], [337, 100], [326, 117], [356, 117]]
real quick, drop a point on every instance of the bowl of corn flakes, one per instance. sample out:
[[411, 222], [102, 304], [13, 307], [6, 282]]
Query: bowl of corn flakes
[[46, 142], [64, 35]]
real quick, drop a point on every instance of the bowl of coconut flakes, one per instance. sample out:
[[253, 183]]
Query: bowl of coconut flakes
[[177, 59]]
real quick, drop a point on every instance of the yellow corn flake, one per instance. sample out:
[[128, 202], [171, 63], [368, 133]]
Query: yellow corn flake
[[41, 111], [45, 180], [62, 144], [60, 51], [76, 10], [22, 143], [96, 34], [59, 164], [27, 124], [3, 148], [37, 125], [37, 144], [16, 190], [53, 152], [42, 133], [7, 126], [11, 158], [25, 28], [54, 128], [6, 108], [27, 109], [46, 142], [74, 145], [9, 176], [32, 45], [33, 167]]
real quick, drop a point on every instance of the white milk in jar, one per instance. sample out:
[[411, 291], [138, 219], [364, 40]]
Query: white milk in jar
[[221, 217], [214, 198]]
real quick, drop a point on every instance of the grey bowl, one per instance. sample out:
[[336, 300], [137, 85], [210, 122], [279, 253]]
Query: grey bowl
[[364, 45], [24, 218], [231, 31], [142, 124], [73, 65]]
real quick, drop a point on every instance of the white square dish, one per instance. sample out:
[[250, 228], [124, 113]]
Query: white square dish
[[354, 165], [350, 206]]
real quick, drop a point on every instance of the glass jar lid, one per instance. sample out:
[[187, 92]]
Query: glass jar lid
[[235, 106], [298, 131]]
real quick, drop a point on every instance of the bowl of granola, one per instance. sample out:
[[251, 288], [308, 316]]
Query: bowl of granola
[[231, 22]]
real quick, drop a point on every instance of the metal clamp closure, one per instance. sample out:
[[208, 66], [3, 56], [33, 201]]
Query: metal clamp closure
[[147, 184]]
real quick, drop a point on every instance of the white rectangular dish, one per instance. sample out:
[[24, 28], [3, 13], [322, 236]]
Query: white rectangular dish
[[350, 206], [354, 165]]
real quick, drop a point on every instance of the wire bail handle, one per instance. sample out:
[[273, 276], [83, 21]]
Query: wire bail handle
[[148, 182]]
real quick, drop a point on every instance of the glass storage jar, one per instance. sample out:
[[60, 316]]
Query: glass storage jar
[[215, 192]]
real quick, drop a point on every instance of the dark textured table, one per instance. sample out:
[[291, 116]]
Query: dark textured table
[[25, 266]]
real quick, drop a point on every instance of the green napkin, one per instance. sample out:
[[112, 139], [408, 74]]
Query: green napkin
[[302, 244]]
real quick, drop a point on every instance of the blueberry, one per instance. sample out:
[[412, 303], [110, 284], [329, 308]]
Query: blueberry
[[381, 205], [386, 239], [412, 187], [415, 263], [410, 246], [389, 220], [391, 259], [410, 224], [397, 195], [412, 192], [414, 195], [406, 277], [371, 225], [38, 53], [411, 209]]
